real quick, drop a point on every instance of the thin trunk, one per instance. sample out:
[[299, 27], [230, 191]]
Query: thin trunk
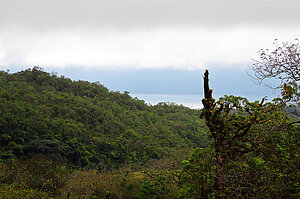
[[216, 130]]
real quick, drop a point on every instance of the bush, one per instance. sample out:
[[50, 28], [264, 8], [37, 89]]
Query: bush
[[37, 173]]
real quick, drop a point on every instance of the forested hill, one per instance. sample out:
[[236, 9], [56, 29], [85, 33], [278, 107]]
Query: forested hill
[[87, 124]]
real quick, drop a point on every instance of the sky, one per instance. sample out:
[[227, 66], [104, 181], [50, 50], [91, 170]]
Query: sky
[[100, 40]]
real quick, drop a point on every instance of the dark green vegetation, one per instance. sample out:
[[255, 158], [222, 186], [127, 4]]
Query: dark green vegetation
[[255, 148], [87, 125], [50, 127], [255, 145], [66, 139]]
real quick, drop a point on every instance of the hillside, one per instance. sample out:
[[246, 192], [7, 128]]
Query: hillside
[[88, 125]]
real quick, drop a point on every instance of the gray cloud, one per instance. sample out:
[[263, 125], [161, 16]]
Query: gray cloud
[[141, 34], [45, 15]]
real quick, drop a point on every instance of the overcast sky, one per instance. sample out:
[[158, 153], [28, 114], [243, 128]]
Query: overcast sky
[[115, 35]]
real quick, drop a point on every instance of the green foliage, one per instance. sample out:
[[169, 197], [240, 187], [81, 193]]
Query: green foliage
[[122, 183], [259, 151], [161, 183], [254, 154], [50, 124], [35, 177], [198, 175], [87, 124], [26, 193]]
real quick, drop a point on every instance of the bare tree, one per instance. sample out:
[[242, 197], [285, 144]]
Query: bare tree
[[283, 63]]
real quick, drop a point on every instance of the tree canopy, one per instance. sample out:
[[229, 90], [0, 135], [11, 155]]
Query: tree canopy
[[87, 124]]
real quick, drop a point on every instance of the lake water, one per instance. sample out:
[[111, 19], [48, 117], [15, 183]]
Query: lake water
[[192, 101]]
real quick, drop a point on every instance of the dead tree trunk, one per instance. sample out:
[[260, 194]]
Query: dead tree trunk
[[216, 127], [229, 130]]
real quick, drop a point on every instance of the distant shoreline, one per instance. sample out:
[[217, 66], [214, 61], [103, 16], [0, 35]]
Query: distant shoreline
[[192, 101]]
